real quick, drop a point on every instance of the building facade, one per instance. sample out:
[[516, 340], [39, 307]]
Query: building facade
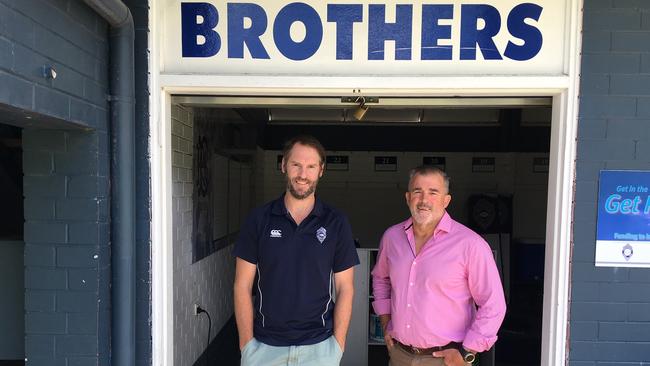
[[219, 86]]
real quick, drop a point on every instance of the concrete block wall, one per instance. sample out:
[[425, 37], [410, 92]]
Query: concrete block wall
[[67, 253], [207, 282], [67, 35], [66, 175], [609, 324]]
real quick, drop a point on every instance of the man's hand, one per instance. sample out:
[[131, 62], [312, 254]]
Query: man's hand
[[344, 282], [452, 357], [341, 342], [390, 343], [243, 298], [243, 342], [385, 319]]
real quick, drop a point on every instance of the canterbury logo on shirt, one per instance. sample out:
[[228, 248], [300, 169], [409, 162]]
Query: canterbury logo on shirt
[[276, 233]]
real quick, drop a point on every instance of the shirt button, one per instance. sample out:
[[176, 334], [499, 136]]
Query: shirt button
[[408, 326], [414, 262], [411, 284], [408, 305]]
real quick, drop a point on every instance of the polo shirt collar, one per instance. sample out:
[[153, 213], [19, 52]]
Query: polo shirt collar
[[280, 209]]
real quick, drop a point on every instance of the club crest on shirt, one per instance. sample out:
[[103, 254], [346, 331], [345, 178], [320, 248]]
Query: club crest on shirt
[[321, 234], [275, 233]]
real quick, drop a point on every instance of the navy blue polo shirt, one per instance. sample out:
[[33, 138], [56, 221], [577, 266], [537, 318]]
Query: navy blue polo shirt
[[294, 285]]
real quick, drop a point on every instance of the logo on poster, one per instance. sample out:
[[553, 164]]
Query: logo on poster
[[627, 252]]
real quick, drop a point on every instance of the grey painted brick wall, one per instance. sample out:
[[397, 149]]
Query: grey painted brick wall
[[66, 176], [609, 322], [66, 248], [207, 282], [65, 34]]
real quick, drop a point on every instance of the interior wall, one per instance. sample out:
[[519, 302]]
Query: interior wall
[[374, 200], [12, 283], [12, 246], [530, 198], [207, 282]]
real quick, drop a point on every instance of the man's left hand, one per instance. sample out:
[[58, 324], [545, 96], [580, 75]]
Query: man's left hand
[[341, 343], [451, 357]]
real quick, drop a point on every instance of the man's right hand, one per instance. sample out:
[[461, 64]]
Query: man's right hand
[[385, 319]]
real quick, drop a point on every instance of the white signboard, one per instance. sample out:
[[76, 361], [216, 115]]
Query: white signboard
[[497, 37]]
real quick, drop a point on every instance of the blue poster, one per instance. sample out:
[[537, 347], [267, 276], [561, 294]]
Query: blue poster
[[623, 228]]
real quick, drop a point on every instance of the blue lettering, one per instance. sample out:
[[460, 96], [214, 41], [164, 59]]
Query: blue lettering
[[470, 36], [479, 24], [432, 32], [298, 12], [190, 30], [379, 31], [531, 36], [344, 16], [238, 35], [612, 204]]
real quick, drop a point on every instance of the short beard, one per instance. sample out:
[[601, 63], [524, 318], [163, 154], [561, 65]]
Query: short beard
[[421, 219], [301, 196]]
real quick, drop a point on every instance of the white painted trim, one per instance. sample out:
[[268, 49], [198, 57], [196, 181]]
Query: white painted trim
[[162, 286], [558, 235], [384, 85], [563, 88], [162, 237], [559, 214]]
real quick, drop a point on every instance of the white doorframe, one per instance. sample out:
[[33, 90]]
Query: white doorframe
[[558, 229], [563, 89]]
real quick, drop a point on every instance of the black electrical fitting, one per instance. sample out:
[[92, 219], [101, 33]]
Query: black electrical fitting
[[200, 310]]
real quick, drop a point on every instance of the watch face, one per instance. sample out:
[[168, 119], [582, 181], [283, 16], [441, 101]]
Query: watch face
[[470, 357]]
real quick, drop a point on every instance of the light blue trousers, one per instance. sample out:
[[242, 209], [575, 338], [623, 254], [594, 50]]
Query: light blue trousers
[[325, 353]]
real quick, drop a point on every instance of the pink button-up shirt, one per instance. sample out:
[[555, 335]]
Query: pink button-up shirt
[[431, 296]]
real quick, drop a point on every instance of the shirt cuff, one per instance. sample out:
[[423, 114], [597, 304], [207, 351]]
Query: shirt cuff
[[478, 342], [382, 307]]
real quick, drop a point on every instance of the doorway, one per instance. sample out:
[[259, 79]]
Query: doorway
[[495, 149], [12, 246]]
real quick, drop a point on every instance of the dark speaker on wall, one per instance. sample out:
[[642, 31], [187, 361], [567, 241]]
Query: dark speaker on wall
[[489, 214]]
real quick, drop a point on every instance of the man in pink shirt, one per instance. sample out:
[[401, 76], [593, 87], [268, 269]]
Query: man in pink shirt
[[436, 287]]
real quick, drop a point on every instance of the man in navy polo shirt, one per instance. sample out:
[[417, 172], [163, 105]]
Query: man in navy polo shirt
[[294, 253]]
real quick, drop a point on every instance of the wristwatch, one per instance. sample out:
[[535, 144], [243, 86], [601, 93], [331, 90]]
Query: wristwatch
[[468, 356]]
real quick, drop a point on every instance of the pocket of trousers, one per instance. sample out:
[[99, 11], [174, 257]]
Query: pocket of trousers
[[247, 346], [337, 346]]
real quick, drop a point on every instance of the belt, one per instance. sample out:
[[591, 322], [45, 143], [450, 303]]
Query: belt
[[428, 351]]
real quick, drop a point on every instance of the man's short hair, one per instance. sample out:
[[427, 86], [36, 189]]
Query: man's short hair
[[306, 140], [428, 170]]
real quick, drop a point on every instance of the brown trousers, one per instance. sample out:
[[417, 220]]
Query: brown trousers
[[399, 357]]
